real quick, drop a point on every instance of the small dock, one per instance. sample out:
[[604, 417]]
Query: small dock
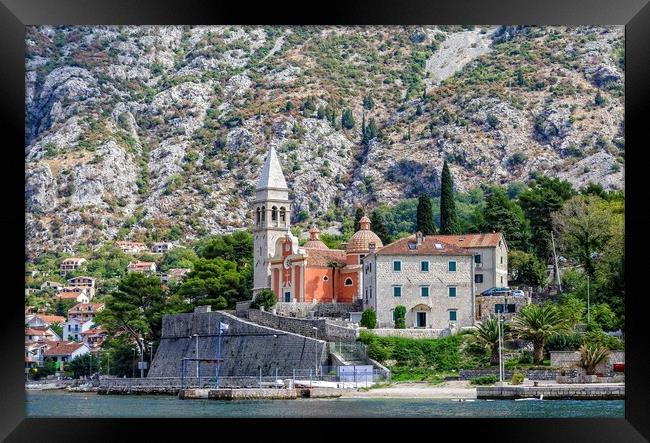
[[587, 391], [257, 393]]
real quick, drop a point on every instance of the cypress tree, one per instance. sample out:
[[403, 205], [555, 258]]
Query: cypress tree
[[378, 227], [424, 218], [357, 217], [448, 217]]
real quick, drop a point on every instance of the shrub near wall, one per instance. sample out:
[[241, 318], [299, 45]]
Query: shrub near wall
[[414, 358]]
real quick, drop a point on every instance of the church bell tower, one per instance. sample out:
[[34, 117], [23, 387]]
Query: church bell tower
[[272, 215]]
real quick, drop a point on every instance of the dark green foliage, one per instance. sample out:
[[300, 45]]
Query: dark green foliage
[[543, 197], [370, 132], [288, 107], [599, 100], [400, 317], [358, 214], [448, 217], [369, 319], [501, 214], [179, 258], [526, 269], [83, 365], [237, 247], [564, 342], [62, 306], [368, 103], [484, 380], [347, 120], [424, 218], [265, 298], [378, 227], [493, 121], [414, 356]]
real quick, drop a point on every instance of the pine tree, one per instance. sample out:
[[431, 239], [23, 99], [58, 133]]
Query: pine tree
[[363, 127], [357, 217], [424, 218], [503, 215], [378, 227], [347, 121], [448, 217]]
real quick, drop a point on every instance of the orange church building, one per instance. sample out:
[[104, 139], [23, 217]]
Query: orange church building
[[317, 274]]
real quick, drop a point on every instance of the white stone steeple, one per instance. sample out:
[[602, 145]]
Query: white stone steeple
[[272, 215]]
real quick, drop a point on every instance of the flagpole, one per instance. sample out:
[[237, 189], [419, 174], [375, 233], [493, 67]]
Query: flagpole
[[219, 354]]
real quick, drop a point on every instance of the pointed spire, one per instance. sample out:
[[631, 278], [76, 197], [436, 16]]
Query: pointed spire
[[272, 176]]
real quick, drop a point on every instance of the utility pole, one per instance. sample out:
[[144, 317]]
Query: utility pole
[[316, 350], [500, 356], [141, 358], [557, 269]]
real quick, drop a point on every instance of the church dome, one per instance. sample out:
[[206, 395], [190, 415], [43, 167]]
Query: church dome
[[360, 241], [314, 242]]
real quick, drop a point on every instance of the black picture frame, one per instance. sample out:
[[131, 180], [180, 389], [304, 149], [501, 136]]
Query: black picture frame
[[634, 14]]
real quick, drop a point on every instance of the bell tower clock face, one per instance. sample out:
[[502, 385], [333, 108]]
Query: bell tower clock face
[[287, 262]]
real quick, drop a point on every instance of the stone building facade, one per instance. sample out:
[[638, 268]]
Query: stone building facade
[[434, 281], [490, 257]]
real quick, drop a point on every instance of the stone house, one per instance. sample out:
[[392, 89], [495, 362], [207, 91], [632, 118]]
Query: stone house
[[491, 305], [85, 311], [433, 280], [94, 337], [78, 294], [490, 257], [174, 275], [131, 247], [161, 247], [71, 264], [87, 283], [51, 284], [143, 267]]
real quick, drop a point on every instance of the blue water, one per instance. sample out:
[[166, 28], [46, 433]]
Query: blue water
[[66, 404]]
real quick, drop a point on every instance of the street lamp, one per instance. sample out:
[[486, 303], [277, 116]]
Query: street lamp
[[141, 357], [150, 353]]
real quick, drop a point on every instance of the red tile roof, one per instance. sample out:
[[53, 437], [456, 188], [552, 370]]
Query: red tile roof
[[428, 247], [33, 331], [80, 308], [94, 331], [472, 240], [51, 319], [62, 348], [69, 295], [322, 257]]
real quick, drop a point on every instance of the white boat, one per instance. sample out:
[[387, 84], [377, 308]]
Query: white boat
[[541, 397]]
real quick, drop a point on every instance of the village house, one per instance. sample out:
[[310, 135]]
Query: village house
[[51, 284], [432, 279], [42, 320], [504, 305], [42, 334], [94, 338], [85, 311], [174, 275], [71, 264], [34, 353], [77, 294], [87, 283], [312, 273], [73, 328], [62, 352], [131, 247], [161, 247], [143, 267]]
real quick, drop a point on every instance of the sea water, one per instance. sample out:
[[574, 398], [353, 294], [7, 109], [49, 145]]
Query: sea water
[[65, 404]]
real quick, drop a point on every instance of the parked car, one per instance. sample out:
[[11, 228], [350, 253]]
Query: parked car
[[497, 291], [518, 293]]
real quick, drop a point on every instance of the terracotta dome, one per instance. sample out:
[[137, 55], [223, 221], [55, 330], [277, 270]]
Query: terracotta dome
[[314, 242], [360, 241]]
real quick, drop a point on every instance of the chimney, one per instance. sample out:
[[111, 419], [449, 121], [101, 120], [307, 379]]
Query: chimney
[[418, 237]]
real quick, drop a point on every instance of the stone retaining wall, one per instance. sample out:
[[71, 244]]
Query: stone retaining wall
[[579, 392], [302, 310], [571, 359], [304, 326], [245, 347], [411, 332], [530, 374]]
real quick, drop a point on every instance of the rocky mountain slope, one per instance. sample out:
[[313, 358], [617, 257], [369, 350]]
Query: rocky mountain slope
[[161, 131]]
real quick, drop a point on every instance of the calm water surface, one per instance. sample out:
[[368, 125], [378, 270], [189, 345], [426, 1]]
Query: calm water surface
[[67, 404]]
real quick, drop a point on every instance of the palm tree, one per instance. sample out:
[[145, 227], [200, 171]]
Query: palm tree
[[487, 334], [591, 355], [537, 323]]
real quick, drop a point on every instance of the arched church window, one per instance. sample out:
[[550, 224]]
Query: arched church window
[[283, 214], [263, 213], [348, 281], [274, 213], [258, 215]]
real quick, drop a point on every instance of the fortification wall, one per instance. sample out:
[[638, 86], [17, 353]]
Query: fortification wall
[[304, 326], [245, 347]]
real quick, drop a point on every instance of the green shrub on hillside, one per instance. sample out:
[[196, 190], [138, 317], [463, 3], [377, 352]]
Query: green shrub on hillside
[[484, 380]]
